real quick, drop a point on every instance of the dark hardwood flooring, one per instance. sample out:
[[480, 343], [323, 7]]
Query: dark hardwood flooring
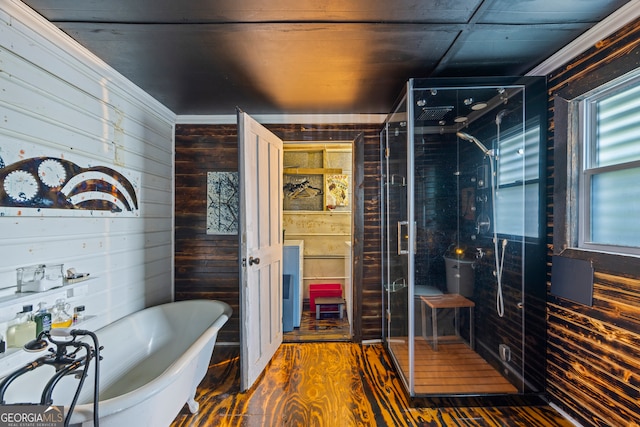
[[328, 328], [337, 384]]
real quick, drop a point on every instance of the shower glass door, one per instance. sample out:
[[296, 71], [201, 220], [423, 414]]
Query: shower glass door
[[397, 247]]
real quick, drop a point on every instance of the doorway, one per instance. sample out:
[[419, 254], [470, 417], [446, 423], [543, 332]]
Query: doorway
[[317, 227]]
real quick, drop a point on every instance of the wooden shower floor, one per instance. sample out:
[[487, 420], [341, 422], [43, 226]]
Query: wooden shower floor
[[453, 369]]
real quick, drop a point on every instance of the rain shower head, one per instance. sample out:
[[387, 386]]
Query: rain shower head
[[475, 140], [434, 113]]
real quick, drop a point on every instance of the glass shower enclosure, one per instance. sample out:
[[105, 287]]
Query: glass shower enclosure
[[464, 254]]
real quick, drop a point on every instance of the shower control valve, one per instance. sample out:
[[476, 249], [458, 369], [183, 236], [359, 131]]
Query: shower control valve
[[505, 352]]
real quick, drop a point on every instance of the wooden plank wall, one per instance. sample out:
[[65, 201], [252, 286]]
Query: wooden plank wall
[[593, 355], [371, 309], [207, 266]]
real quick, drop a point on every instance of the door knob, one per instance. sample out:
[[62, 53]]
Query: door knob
[[253, 260]]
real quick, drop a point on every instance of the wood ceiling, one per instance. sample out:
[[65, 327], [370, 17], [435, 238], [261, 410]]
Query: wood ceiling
[[311, 56]]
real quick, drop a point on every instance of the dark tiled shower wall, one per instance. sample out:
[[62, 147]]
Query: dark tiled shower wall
[[439, 224], [436, 207]]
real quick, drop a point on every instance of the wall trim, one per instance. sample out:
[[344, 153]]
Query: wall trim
[[618, 19], [284, 118]]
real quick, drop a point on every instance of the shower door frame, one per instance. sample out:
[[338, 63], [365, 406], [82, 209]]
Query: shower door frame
[[408, 378]]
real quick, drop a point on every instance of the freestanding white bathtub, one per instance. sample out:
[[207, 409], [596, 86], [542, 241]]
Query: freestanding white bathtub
[[153, 360]]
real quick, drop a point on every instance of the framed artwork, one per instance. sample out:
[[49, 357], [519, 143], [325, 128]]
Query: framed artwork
[[56, 186], [222, 202], [303, 193], [337, 188]]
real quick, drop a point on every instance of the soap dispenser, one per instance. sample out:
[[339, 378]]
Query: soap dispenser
[[42, 318], [22, 329]]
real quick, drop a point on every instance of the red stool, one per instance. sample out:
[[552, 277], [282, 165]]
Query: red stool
[[323, 290]]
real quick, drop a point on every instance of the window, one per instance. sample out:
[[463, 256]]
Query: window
[[607, 172]]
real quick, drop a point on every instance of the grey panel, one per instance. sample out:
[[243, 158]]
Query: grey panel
[[572, 279], [508, 50], [287, 303], [549, 11]]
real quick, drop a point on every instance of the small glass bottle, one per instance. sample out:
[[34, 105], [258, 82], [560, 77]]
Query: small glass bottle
[[78, 314], [60, 316], [42, 318]]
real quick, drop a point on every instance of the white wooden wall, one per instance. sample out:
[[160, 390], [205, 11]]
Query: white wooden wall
[[57, 99]]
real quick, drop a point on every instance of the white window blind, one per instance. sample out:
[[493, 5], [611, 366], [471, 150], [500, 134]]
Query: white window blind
[[517, 195], [610, 194]]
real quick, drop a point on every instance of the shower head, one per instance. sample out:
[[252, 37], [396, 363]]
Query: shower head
[[475, 140]]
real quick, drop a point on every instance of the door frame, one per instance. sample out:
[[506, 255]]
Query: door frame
[[357, 236], [357, 227]]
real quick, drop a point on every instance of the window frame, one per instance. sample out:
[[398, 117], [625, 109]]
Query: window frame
[[583, 136]]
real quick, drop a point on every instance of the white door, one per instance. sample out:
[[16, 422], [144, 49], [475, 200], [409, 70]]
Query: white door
[[260, 172]]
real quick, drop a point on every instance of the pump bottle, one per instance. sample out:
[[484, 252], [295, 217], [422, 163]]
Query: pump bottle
[[22, 329]]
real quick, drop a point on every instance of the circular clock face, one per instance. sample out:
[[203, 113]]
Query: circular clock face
[[52, 173], [21, 186]]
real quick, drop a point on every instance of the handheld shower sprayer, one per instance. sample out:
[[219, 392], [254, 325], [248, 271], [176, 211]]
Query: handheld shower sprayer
[[499, 259], [499, 116], [73, 364], [475, 140]]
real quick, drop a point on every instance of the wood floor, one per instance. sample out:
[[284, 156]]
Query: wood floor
[[453, 369], [336, 384], [328, 328]]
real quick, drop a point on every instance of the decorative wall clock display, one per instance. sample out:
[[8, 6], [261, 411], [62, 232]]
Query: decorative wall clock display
[[46, 183]]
